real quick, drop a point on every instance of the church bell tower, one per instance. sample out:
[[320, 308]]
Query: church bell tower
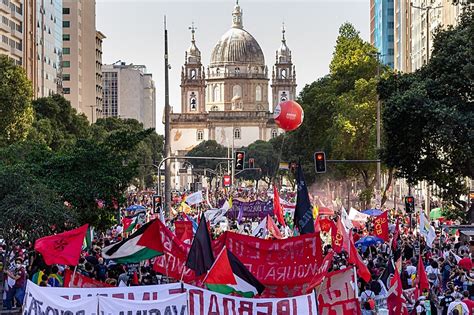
[[283, 75], [192, 79]]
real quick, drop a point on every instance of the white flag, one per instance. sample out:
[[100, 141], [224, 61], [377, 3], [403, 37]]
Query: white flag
[[345, 220], [194, 198], [215, 216], [261, 229], [427, 230], [355, 215]]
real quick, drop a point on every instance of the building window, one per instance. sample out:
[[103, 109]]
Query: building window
[[258, 93], [66, 64], [67, 90], [66, 37], [193, 102], [237, 91], [283, 73], [217, 93], [237, 133], [66, 11], [66, 50], [200, 135], [66, 77], [237, 70], [66, 24], [274, 133], [214, 108], [193, 74]]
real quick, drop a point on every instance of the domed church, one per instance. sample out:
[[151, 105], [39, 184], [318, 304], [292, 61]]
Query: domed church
[[228, 101]]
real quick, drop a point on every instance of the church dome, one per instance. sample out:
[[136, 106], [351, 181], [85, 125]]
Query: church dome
[[237, 46]]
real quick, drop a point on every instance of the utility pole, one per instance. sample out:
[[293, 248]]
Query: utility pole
[[377, 188], [167, 130]]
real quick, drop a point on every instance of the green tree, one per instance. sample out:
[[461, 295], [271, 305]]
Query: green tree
[[207, 148], [16, 113], [428, 116]]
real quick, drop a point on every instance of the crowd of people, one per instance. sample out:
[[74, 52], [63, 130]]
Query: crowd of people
[[448, 264]]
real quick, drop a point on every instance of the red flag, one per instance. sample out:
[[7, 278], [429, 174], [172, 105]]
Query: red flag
[[126, 222], [356, 260], [321, 273], [277, 209], [184, 231], [326, 225], [381, 226], [317, 225], [396, 234], [319, 248], [273, 229], [422, 277], [395, 302], [81, 281], [135, 278], [63, 248], [339, 239]]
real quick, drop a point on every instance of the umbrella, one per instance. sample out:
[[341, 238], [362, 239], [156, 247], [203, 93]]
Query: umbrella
[[373, 212], [368, 240], [435, 214], [136, 208]]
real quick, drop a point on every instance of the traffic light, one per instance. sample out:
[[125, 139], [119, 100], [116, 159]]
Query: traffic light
[[157, 203], [251, 163], [320, 162], [239, 160], [409, 204]]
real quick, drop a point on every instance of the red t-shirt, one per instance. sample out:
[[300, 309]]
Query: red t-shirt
[[465, 263], [470, 304]]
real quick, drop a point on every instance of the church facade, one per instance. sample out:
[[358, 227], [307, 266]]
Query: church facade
[[228, 100]]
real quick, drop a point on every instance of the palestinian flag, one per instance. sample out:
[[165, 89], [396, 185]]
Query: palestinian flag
[[144, 244], [87, 244], [228, 275], [130, 223]]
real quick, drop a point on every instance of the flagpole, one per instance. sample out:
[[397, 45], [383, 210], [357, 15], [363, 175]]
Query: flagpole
[[73, 276], [356, 286]]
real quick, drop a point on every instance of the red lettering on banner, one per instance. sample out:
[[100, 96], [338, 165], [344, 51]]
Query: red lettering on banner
[[118, 296], [295, 307], [213, 306], [283, 307], [227, 310], [268, 306], [192, 307], [310, 305], [245, 307]]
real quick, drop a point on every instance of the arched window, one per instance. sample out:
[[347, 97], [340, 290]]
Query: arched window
[[258, 93], [214, 108], [193, 102], [236, 91], [217, 93], [237, 70], [237, 133], [193, 74], [274, 133], [200, 135], [218, 71], [283, 73]]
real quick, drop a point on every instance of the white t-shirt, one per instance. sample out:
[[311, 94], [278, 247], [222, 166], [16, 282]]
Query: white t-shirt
[[452, 305], [411, 270], [429, 270], [367, 294]]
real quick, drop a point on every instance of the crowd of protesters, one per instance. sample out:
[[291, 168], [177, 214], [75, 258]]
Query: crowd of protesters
[[448, 265]]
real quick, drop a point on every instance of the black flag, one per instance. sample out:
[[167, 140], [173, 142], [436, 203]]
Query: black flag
[[303, 212], [200, 257]]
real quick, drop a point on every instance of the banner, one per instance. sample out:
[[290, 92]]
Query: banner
[[38, 301], [253, 209], [427, 230], [336, 294], [260, 230], [381, 226], [176, 304], [355, 215], [81, 281], [184, 231], [194, 198], [215, 216], [202, 302]]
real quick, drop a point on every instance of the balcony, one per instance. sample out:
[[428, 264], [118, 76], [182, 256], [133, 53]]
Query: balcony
[[237, 76], [16, 52], [16, 33], [5, 47], [4, 27], [5, 6]]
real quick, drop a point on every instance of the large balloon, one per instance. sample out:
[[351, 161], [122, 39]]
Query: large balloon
[[288, 115]]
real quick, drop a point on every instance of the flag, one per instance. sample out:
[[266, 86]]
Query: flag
[[427, 230], [326, 225], [356, 260], [396, 304], [126, 222], [273, 229], [423, 282], [277, 209], [184, 231], [303, 213], [194, 198], [387, 275], [215, 216], [63, 248], [200, 256], [260, 230], [340, 238], [188, 218], [381, 226], [317, 226], [345, 220], [87, 244], [355, 215], [396, 234], [315, 212], [144, 244], [228, 275]]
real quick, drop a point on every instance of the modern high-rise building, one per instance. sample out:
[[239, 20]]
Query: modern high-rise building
[[80, 56], [129, 92], [11, 29], [402, 35], [382, 29], [99, 37]]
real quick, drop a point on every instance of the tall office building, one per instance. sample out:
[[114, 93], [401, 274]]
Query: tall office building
[[80, 56], [129, 92], [402, 36], [11, 29], [99, 37], [382, 29]]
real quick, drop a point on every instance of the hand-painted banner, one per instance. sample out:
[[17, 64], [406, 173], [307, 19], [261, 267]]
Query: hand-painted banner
[[252, 209], [176, 304], [184, 231], [81, 281], [39, 301], [336, 294], [381, 226]]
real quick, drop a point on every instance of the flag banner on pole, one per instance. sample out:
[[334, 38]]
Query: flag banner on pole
[[340, 240], [251, 209], [355, 215], [303, 213], [260, 230], [356, 260], [427, 230], [337, 293], [277, 209], [396, 303], [381, 226], [273, 229], [184, 231], [63, 248], [194, 198], [345, 220], [200, 256]]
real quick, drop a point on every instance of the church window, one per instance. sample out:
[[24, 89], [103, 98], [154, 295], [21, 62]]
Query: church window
[[237, 70], [237, 91], [218, 71], [283, 96], [258, 93], [193, 102], [214, 108], [193, 74], [217, 93], [200, 135], [237, 133], [283, 73], [274, 133]]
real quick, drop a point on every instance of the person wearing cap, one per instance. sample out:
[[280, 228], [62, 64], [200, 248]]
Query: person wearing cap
[[457, 307]]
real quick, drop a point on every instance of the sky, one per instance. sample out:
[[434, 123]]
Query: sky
[[134, 33]]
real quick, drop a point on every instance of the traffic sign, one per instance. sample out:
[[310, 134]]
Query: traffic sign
[[226, 181]]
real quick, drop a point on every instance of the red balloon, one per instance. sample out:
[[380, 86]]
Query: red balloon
[[288, 115]]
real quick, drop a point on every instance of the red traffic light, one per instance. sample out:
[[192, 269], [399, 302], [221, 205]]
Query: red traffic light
[[319, 157], [410, 199]]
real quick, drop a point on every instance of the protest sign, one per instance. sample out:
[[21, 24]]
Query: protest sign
[[184, 231], [81, 281], [381, 226], [176, 304], [252, 209], [336, 294]]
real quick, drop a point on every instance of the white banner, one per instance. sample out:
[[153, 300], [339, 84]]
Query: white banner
[[427, 230], [345, 220], [173, 305], [261, 229], [39, 302], [355, 215], [194, 198], [215, 216], [203, 302]]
